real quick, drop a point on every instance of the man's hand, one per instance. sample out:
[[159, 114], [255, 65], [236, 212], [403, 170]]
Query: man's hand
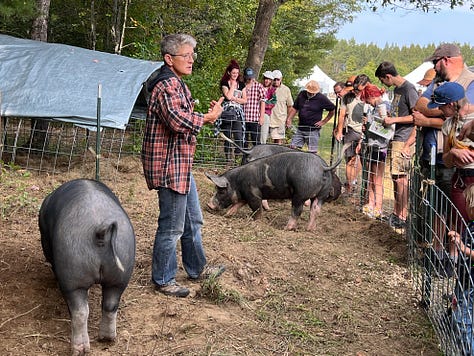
[[215, 110]]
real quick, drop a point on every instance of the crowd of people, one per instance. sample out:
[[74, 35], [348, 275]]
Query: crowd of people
[[384, 132]]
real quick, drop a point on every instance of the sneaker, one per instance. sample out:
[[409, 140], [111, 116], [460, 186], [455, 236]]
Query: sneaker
[[393, 219], [210, 272], [174, 290], [397, 223], [368, 210], [378, 214]]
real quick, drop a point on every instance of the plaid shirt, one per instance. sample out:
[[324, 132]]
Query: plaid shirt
[[170, 134], [255, 95]]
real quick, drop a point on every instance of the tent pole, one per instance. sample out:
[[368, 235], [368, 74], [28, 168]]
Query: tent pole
[[97, 141]]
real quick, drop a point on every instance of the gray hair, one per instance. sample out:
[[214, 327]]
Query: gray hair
[[170, 44]]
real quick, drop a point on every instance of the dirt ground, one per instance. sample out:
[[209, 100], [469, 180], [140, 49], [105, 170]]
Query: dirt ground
[[342, 290]]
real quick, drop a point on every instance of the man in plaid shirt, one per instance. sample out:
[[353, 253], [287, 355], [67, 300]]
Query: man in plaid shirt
[[167, 155], [254, 109]]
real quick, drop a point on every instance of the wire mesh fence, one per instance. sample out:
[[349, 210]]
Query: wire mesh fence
[[441, 274]]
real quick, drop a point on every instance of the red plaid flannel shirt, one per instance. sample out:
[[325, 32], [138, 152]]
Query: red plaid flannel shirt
[[170, 134], [255, 95]]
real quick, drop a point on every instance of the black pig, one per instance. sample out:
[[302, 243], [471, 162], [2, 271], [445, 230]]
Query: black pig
[[294, 175], [88, 238]]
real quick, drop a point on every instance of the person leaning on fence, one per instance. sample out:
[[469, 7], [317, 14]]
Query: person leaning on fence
[[232, 120], [378, 138], [430, 137], [349, 130], [462, 255], [168, 148], [402, 146], [451, 100], [310, 105]]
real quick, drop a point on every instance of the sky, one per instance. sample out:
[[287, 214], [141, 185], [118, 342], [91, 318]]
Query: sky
[[404, 28]]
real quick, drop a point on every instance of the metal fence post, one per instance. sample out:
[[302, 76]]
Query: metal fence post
[[97, 142]]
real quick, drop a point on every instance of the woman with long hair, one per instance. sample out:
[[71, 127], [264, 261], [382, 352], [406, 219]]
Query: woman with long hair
[[232, 120]]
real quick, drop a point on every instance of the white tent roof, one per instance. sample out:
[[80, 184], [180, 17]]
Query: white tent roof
[[51, 80], [418, 73], [325, 82]]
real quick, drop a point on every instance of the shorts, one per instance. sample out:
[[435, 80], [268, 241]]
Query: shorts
[[399, 165], [376, 154], [277, 133], [310, 137], [353, 137]]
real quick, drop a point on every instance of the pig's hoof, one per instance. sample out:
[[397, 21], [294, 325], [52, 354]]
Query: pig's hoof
[[265, 205], [79, 350], [290, 227], [106, 338]]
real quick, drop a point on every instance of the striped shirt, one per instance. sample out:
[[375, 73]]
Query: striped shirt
[[170, 134]]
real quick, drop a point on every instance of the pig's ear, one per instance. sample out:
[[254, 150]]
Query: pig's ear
[[220, 182]]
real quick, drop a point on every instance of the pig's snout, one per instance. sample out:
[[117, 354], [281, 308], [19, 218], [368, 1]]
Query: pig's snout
[[211, 204]]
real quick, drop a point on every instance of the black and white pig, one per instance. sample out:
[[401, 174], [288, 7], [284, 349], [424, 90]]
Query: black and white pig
[[88, 238], [294, 175]]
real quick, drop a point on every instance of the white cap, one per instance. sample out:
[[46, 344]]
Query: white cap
[[268, 74], [277, 74]]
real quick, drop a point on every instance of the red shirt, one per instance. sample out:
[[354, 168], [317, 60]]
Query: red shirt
[[170, 134]]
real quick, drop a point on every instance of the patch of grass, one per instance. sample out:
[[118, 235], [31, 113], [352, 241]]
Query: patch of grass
[[212, 290], [19, 195]]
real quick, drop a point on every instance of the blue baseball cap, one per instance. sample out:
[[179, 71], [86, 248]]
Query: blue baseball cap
[[446, 93], [249, 73]]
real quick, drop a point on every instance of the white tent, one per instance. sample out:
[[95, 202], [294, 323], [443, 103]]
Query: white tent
[[418, 73], [325, 82]]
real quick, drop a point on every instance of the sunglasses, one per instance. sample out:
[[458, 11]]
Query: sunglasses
[[435, 61]]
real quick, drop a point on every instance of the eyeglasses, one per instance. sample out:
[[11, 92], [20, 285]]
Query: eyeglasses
[[337, 92], [186, 56]]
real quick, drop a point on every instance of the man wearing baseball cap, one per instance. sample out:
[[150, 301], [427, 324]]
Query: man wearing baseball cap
[[254, 109], [449, 66], [284, 102]]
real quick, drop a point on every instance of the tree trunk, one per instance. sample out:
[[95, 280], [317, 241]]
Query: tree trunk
[[261, 32], [93, 27], [39, 32], [116, 25]]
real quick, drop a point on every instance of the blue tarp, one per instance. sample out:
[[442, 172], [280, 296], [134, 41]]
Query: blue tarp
[[56, 81]]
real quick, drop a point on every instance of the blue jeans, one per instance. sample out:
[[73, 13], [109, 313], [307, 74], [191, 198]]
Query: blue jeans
[[462, 316], [180, 218]]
